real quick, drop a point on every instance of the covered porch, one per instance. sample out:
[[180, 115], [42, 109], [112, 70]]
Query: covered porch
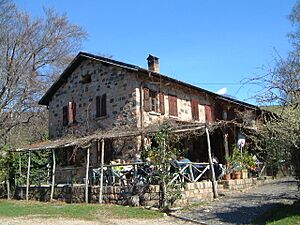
[[99, 173]]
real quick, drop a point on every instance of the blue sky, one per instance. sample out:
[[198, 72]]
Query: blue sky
[[211, 44]]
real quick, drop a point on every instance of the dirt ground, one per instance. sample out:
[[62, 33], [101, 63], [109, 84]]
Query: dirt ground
[[234, 208], [104, 221]]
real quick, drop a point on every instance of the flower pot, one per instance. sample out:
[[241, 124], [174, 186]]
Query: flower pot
[[237, 175], [244, 174], [227, 176]]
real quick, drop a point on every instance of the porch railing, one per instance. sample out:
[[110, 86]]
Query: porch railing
[[190, 171]]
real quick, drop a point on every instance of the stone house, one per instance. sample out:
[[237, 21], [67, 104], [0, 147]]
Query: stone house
[[98, 93]]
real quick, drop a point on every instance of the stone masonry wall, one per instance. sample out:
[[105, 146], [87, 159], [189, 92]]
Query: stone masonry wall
[[193, 192], [105, 79], [184, 97]]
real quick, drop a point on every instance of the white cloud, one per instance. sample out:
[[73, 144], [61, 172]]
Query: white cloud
[[222, 91]]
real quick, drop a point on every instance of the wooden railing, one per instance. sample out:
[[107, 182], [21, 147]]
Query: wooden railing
[[190, 171]]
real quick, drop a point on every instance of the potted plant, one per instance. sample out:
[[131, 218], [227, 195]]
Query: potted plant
[[248, 163], [228, 171], [235, 160]]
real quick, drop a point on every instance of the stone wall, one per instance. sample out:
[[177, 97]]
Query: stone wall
[[242, 184], [117, 83], [184, 96], [192, 193]]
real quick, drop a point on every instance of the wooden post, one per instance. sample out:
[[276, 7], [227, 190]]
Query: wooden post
[[20, 164], [8, 182], [27, 180], [101, 171], [226, 144], [87, 175], [215, 191], [20, 174], [164, 183], [53, 174]]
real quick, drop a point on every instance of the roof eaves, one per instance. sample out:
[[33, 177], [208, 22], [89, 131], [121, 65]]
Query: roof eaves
[[110, 61], [62, 78]]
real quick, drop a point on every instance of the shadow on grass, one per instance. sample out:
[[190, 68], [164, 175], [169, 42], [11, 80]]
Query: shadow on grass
[[278, 212]]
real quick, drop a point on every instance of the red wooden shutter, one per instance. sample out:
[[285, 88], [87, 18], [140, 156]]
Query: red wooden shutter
[[65, 116], [70, 112], [173, 111], [175, 106], [103, 105], [74, 111], [98, 105], [162, 103], [146, 100], [195, 109], [208, 114]]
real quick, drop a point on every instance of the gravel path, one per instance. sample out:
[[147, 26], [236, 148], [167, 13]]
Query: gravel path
[[233, 208], [243, 207]]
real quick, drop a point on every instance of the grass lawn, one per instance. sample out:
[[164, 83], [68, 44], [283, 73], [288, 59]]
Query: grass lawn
[[78, 211], [281, 215]]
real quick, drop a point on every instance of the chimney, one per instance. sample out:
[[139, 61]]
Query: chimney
[[153, 63]]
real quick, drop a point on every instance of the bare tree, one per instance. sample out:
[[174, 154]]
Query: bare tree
[[280, 137], [33, 51]]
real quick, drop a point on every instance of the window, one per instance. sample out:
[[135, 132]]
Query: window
[[173, 105], [101, 106], [69, 113], [154, 101], [195, 109], [86, 78]]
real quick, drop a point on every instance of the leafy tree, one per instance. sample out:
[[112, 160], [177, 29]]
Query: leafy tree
[[160, 156]]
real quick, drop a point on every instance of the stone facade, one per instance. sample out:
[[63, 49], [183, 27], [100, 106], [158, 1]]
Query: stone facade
[[184, 108], [99, 94], [123, 95], [121, 99]]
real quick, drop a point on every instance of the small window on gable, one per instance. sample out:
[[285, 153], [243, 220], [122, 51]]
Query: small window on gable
[[101, 106], [86, 78], [173, 111], [69, 113]]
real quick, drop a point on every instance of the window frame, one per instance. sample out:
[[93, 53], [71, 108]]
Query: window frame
[[101, 106]]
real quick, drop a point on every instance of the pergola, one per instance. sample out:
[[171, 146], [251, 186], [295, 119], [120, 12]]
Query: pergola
[[182, 129]]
